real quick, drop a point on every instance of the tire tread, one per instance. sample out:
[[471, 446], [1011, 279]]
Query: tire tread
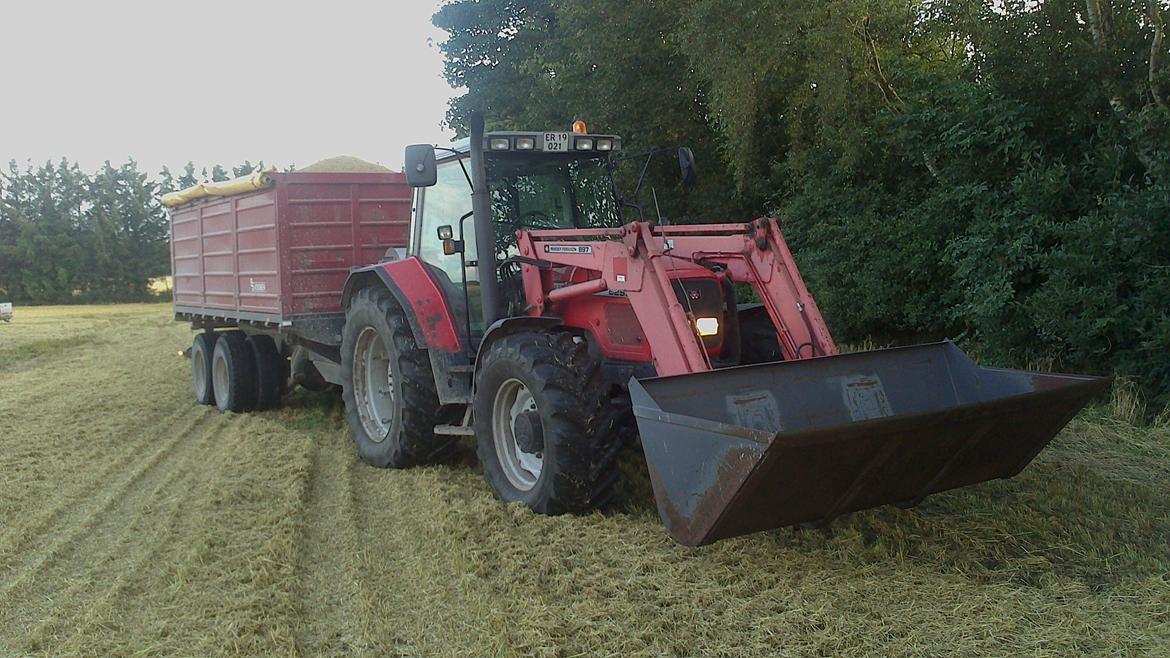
[[417, 443], [588, 420], [241, 393]]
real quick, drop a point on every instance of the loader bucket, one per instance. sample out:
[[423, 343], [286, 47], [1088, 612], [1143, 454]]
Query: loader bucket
[[746, 449]]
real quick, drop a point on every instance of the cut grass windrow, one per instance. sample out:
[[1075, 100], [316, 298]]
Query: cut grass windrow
[[139, 523]]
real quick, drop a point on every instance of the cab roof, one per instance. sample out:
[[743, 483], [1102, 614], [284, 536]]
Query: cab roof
[[514, 141]]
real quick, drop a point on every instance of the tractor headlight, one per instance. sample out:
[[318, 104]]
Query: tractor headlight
[[585, 144], [525, 143], [500, 143], [605, 145], [707, 326]]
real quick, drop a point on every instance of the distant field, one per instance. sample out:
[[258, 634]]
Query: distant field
[[138, 523]]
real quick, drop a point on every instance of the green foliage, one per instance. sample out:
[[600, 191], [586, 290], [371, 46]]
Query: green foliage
[[247, 168], [541, 64], [996, 172], [70, 237]]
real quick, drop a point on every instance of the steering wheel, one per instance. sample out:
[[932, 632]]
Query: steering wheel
[[534, 219], [511, 286]]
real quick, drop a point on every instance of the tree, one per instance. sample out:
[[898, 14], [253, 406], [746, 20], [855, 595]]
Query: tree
[[985, 170]]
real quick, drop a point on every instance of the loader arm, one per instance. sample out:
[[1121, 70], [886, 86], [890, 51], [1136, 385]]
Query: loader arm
[[639, 261], [736, 450]]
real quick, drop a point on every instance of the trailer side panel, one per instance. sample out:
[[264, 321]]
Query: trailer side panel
[[285, 251], [331, 226]]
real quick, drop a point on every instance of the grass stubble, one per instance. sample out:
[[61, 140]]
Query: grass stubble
[[138, 523]]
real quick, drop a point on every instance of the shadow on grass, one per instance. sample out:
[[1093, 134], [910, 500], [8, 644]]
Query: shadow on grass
[[1054, 521], [1062, 517]]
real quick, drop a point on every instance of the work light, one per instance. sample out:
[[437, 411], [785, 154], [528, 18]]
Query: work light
[[525, 143], [584, 144], [604, 145], [500, 143]]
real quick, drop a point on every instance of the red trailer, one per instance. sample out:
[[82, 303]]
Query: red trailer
[[283, 252], [272, 261]]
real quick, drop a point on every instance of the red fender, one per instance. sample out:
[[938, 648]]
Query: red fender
[[417, 291]]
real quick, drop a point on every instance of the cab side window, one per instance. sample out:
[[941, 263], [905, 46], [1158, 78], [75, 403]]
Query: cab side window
[[444, 203]]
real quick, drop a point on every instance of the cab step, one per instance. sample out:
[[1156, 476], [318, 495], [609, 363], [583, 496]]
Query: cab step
[[463, 429]]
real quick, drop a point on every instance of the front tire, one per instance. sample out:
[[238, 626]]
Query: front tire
[[545, 433], [390, 400]]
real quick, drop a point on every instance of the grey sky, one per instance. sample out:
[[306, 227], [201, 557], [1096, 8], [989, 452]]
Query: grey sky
[[219, 82]]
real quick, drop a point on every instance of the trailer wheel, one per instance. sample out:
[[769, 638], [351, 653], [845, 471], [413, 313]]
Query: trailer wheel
[[201, 351], [389, 392], [270, 371], [233, 373], [545, 429]]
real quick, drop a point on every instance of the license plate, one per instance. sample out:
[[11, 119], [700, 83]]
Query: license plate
[[556, 142]]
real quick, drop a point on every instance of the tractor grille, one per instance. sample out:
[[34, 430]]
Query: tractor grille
[[622, 325], [704, 298]]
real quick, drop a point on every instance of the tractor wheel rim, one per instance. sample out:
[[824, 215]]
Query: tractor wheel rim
[[373, 384], [219, 375], [522, 469]]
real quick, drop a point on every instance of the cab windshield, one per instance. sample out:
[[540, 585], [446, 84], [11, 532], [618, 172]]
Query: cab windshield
[[548, 192], [528, 191]]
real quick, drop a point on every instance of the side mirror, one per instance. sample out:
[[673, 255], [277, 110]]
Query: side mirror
[[686, 165], [420, 165], [451, 246]]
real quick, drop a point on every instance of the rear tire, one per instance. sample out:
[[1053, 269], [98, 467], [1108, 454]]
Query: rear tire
[[233, 373], [201, 353], [545, 430], [270, 371], [390, 400]]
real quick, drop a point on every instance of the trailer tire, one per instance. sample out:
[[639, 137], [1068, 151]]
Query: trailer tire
[[233, 373], [556, 403], [201, 352], [270, 371], [378, 336]]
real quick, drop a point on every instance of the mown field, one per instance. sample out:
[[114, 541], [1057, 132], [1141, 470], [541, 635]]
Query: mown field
[[138, 523]]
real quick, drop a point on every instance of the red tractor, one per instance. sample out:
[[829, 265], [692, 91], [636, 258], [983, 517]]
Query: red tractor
[[524, 313]]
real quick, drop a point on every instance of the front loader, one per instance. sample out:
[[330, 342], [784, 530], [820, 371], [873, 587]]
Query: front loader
[[528, 315]]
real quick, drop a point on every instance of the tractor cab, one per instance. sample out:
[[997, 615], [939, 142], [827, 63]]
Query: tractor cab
[[534, 181]]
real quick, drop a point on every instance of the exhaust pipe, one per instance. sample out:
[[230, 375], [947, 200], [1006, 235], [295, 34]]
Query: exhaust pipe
[[481, 218]]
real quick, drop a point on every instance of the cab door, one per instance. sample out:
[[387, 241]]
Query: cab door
[[444, 204]]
